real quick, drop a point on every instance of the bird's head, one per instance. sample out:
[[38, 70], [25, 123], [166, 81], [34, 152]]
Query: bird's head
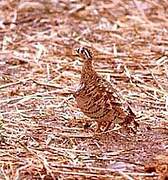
[[84, 53]]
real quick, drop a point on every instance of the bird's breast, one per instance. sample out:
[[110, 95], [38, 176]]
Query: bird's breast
[[92, 102]]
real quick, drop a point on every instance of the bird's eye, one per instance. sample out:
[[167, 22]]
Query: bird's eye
[[82, 50], [85, 52]]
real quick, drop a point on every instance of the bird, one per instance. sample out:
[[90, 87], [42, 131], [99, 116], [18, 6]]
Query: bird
[[98, 99]]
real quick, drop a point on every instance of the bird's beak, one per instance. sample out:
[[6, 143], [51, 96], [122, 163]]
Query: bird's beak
[[76, 54]]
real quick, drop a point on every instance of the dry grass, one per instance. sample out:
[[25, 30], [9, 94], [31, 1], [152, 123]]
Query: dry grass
[[42, 134]]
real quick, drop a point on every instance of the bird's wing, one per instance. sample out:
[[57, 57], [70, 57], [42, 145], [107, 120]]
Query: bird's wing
[[115, 98], [107, 87]]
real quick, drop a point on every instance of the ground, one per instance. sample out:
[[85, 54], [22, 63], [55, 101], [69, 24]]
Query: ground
[[43, 134]]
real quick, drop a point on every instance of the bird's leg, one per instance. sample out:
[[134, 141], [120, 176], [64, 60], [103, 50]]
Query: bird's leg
[[136, 124], [128, 121], [99, 123], [108, 126]]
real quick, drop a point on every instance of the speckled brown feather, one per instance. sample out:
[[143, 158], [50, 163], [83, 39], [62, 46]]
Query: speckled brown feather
[[97, 98]]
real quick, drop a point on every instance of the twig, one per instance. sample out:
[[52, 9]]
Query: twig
[[71, 135], [115, 171], [46, 84], [14, 83], [156, 81], [35, 96]]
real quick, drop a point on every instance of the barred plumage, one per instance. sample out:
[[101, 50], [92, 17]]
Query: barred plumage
[[97, 98]]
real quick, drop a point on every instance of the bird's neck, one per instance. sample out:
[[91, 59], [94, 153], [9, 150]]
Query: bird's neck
[[87, 71]]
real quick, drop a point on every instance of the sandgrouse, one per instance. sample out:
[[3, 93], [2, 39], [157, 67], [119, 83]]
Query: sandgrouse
[[97, 98]]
